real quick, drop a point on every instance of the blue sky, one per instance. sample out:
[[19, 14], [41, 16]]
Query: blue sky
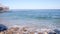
[[32, 4]]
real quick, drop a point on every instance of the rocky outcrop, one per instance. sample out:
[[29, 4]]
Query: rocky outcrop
[[3, 8]]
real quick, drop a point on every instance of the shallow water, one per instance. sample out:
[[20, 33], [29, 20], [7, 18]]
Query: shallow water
[[37, 18]]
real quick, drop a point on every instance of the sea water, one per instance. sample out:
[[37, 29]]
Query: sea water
[[39, 18]]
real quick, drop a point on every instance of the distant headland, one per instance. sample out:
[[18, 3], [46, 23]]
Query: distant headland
[[3, 8]]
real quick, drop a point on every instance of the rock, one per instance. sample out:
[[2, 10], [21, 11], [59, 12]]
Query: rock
[[31, 33], [3, 27], [51, 33], [40, 33], [57, 31], [1, 8], [1, 32], [9, 32], [14, 28], [45, 32]]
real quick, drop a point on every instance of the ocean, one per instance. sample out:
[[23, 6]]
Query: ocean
[[39, 18]]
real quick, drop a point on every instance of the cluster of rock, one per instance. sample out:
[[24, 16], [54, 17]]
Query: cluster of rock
[[28, 30], [3, 8]]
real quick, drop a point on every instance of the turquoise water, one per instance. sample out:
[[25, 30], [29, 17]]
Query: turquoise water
[[43, 18]]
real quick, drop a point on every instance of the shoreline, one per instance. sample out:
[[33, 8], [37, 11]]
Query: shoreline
[[27, 30]]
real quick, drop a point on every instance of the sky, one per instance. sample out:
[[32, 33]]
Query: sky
[[31, 4]]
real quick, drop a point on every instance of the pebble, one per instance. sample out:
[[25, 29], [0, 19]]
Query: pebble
[[27, 30]]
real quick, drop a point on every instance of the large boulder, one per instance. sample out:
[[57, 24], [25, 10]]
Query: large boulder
[[3, 27]]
